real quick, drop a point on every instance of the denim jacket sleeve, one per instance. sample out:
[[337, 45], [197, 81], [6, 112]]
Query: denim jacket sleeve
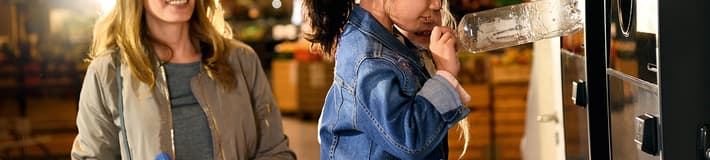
[[406, 126]]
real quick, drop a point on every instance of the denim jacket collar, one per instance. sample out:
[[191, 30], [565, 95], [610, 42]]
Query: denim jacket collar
[[370, 26]]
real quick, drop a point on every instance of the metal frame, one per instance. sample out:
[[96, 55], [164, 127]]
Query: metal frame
[[596, 45]]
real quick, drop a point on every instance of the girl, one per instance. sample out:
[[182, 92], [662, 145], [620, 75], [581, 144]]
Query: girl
[[383, 104], [445, 19], [167, 81]]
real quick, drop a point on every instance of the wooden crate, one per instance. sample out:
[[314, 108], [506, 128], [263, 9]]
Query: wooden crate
[[510, 74], [510, 117], [283, 84], [505, 100], [509, 91], [479, 127], [475, 153], [301, 87], [507, 103], [314, 80], [480, 95]]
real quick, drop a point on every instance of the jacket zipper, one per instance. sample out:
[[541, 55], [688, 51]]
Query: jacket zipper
[[170, 111], [213, 124]]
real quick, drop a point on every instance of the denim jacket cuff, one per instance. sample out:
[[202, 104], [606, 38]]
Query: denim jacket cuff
[[441, 94], [449, 77], [465, 98]]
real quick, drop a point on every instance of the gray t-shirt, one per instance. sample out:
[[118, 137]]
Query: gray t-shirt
[[193, 138]]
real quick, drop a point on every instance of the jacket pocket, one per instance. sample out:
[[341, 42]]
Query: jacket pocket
[[262, 111]]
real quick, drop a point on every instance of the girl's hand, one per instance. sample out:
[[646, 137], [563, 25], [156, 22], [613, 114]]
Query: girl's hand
[[443, 50]]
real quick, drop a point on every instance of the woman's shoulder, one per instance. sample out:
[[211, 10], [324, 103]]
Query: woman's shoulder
[[239, 47], [103, 61], [102, 67], [240, 50], [242, 55]]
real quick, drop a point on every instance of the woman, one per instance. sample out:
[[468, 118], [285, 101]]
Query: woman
[[187, 91], [383, 104]]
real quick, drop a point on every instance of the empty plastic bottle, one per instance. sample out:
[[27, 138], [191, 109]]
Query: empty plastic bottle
[[518, 24]]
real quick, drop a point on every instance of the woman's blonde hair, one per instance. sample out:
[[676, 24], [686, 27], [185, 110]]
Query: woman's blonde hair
[[124, 28]]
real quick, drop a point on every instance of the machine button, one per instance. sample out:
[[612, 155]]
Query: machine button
[[704, 142], [579, 93], [647, 133]]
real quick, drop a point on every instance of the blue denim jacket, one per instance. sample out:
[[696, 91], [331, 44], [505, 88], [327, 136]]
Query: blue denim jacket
[[382, 103]]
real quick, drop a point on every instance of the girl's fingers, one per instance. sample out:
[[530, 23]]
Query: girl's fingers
[[446, 30], [451, 41], [445, 37], [436, 33]]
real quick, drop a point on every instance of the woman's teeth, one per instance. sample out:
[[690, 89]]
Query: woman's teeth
[[174, 2]]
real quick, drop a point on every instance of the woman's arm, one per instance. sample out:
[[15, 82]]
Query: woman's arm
[[98, 135], [273, 143]]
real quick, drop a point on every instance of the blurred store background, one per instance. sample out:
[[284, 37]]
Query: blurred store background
[[43, 44]]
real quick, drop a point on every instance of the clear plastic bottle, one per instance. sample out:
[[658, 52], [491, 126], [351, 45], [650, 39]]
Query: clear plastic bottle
[[518, 24]]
